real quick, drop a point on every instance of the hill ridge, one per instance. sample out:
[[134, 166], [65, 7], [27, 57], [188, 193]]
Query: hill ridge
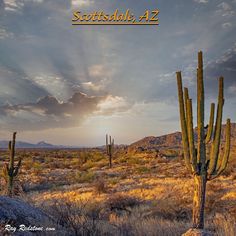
[[172, 140]]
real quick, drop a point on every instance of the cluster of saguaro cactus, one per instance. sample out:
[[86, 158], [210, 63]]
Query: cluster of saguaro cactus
[[203, 167], [10, 170], [109, 149]]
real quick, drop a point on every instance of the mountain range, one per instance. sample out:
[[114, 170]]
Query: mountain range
[[41, 144], [172, 140]]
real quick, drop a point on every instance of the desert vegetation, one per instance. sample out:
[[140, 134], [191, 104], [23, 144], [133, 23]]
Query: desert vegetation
[[143, 193]]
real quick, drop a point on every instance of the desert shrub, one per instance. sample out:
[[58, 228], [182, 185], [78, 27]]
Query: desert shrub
[[85, 177], [120, 202], [27, 164], [87, 218], [228, 171], [97, 156], [37, 168], [172, 207], [84, 156], [122, 159], [234, 176], [102, 163], [88, 165], [70, 163], [100, 186], [132, 225], [67, 164], [135, 160], [114, 181], [170, 153], [142, 169], [221, 225], [55, 164], [82, 218]]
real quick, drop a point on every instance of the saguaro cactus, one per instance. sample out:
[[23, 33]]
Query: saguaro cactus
[[10, 170], [109, 149], [203, 167]]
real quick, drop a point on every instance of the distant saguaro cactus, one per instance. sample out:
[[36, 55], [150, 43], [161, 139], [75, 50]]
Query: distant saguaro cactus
[[109, 149], [202, 166], [11, 171]]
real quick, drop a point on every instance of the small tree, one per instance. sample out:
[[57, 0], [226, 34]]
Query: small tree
[[109, 149], [203, 167], [11, 171]]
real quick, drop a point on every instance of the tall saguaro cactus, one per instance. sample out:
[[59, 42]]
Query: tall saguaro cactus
[[109, 148], [202, 166], [10, 169]]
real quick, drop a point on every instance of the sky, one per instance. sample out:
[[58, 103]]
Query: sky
[[71, 85]]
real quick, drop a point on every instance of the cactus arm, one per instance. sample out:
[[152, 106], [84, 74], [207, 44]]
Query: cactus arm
[[11, 163], [211, 124], [112, 145], [6, 169], [214, 154], [183, 122], [107, 148], [227, 146], [16, 169], [225, 159], [186, 97], [201, 155], [12, 151], [192, 150], [9, 146]]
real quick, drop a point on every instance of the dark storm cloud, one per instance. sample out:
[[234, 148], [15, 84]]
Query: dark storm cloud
[[14, 82], [2, 4], [225, 66], [48, 112], [36, 39]]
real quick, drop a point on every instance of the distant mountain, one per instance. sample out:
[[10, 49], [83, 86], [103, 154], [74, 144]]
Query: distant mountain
[[173, 140], [41, 144]]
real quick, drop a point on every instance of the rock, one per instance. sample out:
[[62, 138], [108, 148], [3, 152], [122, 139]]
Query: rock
[[15, 213], [197, 232]]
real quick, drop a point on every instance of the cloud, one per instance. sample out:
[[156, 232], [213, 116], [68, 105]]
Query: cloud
[[97, 70], [227, 25], [17, 87], [201, 1], [91, 86], [225, 66], [11, 5], [48, 112], [79, 3], [113, 104], [225, 9], [4, 34]]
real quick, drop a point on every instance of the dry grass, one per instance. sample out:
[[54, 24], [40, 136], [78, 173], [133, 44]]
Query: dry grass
[[141, 195]]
